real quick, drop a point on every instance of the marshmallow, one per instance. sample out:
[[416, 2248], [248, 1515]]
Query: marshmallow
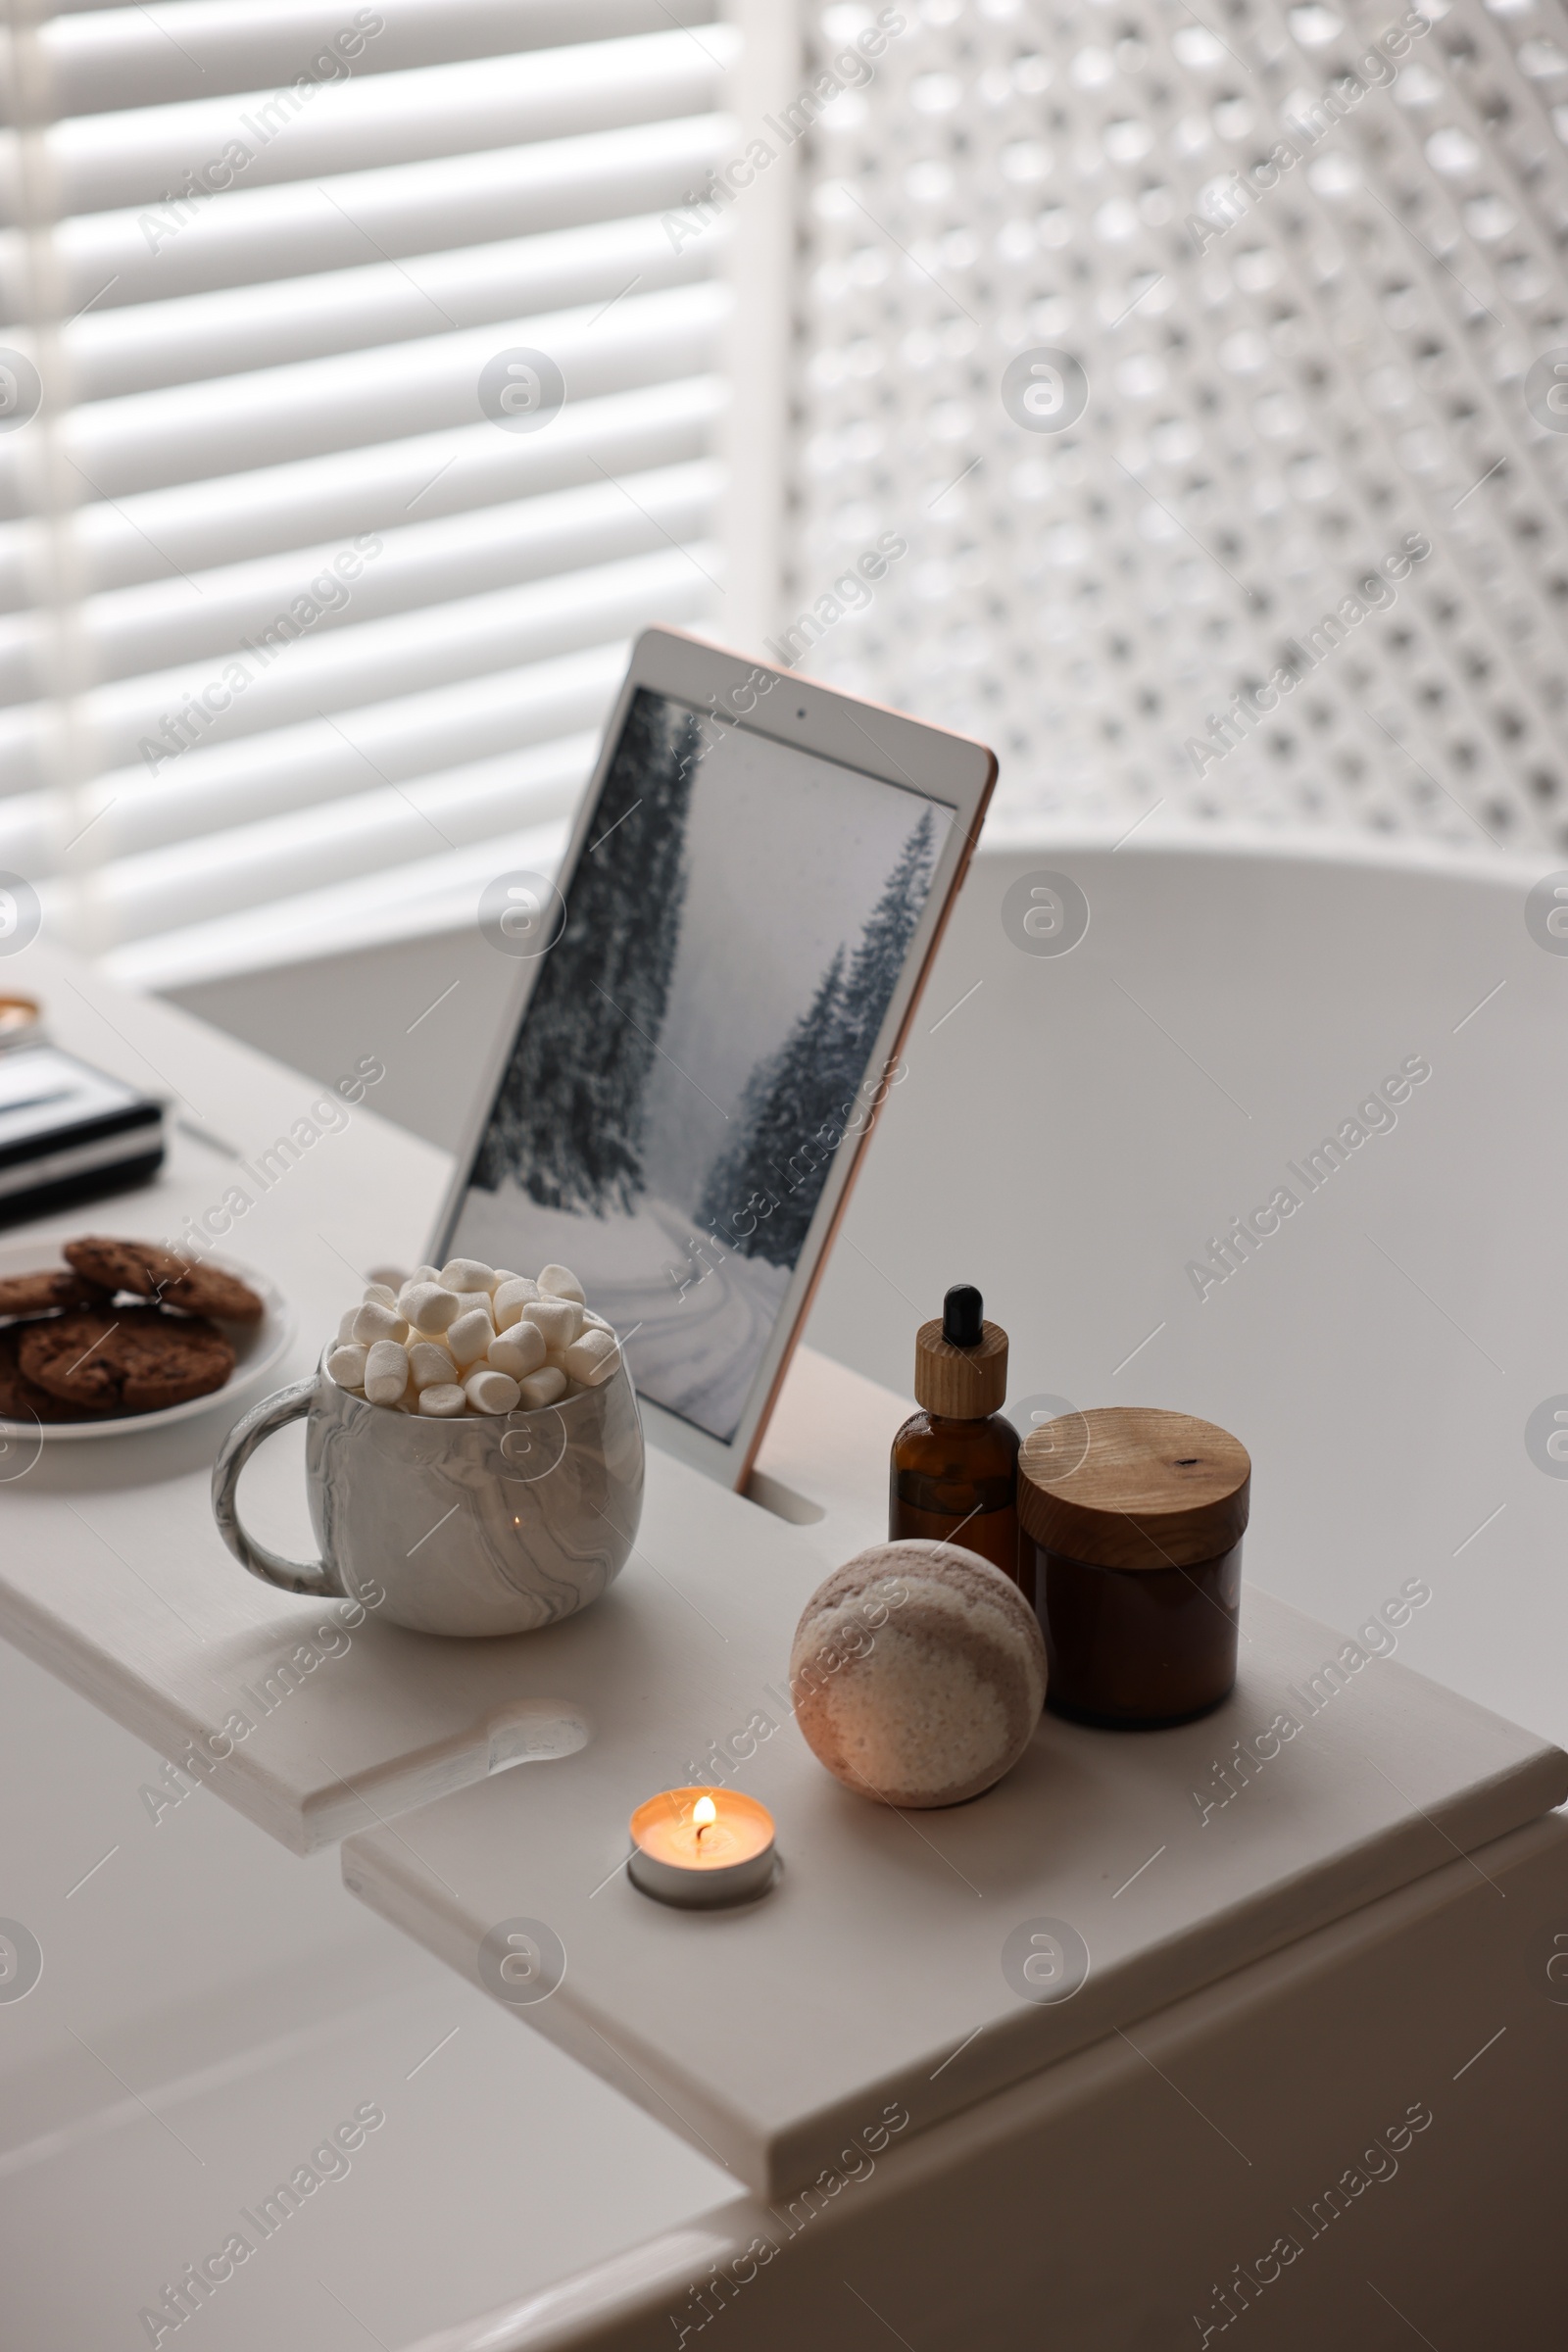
[[443, 1402], [594, 1357], [469, 1336], [429, 1365], [377, 1322], [510, 1299], [560, 1319], [430, 1306], [466, 1274], [491, 1391], [519, 1351], [386, 1372]]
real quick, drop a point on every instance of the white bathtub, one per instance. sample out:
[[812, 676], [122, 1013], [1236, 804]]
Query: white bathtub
[[1069, 1137]]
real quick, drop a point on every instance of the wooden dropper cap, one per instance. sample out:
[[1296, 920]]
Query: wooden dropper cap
[[960, 1362]]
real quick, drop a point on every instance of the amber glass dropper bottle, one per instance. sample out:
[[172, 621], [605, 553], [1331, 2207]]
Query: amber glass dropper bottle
[[954, 1462]]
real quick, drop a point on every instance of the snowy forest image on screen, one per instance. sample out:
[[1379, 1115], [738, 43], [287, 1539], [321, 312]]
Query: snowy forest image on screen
[[692, 1052]]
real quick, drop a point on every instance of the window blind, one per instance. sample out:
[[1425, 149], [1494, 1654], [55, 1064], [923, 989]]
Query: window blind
[[1309, 258], [299, 643]]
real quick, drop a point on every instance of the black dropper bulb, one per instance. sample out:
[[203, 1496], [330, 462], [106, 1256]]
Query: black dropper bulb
[[963, 1316]]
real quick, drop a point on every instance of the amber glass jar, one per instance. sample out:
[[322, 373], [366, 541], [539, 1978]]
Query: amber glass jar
[[1131, 1550], [955, 1463]]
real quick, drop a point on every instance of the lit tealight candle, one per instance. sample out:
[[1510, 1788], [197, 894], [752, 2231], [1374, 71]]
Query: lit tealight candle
[[702, 1847]]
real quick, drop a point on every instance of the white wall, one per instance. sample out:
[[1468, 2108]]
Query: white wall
[[426, 1008]]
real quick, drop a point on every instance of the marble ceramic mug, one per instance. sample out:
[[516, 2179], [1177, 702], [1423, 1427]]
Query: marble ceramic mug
[[481, 1525]]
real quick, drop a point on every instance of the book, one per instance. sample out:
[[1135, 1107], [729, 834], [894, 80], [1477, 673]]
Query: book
[[68, 1132]]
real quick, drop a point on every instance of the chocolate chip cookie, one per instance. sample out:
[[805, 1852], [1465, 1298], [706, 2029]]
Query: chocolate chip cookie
[[130, 1359], [150, 1272], [42, 1293], [21, 1398]]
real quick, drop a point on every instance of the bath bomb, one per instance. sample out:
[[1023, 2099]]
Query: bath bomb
[[919, 1672]]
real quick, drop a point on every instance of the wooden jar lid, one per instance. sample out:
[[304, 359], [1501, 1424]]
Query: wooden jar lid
[[1136, 1487], [962, 1383]]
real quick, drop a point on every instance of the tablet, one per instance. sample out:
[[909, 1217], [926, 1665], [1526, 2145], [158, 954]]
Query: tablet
[[713, 994]]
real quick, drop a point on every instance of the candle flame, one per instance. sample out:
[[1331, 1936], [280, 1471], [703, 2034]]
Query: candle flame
[[704, 1813]]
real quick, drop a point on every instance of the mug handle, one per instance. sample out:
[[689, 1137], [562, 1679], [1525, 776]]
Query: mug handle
[[314, 1578]]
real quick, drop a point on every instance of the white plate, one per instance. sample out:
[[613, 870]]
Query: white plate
[[259, 1349]]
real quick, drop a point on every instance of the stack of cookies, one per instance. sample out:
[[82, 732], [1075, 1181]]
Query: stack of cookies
[[122, 1327]]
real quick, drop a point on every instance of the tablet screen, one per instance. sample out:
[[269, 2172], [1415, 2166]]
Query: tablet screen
[[699, 1040]]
